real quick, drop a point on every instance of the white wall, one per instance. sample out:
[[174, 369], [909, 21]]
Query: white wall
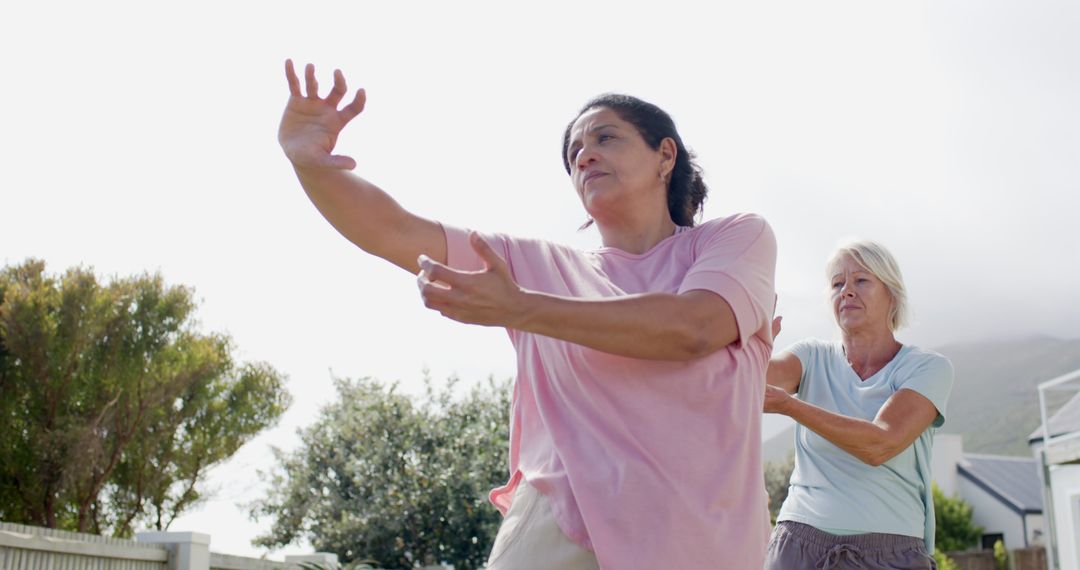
[[948, 450], [1036, 530], [992, 514], [1065, 480]]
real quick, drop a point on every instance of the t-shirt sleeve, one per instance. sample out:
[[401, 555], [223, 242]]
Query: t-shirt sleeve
[[736, 259], [459, 252], [461, 256], [804, 350], [932, 377]]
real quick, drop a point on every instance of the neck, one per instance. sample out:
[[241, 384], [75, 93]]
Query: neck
[[636, 236], [869, 351]]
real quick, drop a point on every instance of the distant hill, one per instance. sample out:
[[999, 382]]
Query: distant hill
[[994, 403]]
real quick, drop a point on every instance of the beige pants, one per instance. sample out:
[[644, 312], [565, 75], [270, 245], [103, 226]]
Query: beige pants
[[530, 539]]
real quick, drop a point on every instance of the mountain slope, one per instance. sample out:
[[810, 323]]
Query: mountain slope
[[994, 402]]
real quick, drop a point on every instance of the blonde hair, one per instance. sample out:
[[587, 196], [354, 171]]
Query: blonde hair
[[873, 257]]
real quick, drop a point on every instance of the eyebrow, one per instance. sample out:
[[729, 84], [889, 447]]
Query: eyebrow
[[863, 271], [577, 141], [602, 127]]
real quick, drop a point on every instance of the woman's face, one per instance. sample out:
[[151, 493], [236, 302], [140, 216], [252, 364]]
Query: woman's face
[[860, 300], [613, 168]]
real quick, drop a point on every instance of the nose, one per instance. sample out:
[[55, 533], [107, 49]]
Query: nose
[[585, 156], [847, 290]]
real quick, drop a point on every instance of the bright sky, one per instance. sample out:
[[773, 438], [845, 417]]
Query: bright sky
[[139, 136]]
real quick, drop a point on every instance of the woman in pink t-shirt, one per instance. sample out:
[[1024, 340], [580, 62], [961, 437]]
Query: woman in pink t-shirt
[[635, 435]]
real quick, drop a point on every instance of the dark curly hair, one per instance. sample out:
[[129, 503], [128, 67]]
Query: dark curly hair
[[686, 190]]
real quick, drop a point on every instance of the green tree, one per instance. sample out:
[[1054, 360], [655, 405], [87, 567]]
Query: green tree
[[380, 477], [777, 480], [955, 530], [113, 405]]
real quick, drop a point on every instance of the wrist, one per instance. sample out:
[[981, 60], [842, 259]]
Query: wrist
[[789, 407], [526, 307], [306, 168]]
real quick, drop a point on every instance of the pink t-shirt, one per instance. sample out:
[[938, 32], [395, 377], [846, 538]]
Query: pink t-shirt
[[650, 464]]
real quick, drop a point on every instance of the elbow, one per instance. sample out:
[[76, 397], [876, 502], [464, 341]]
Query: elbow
[[693, 333], [877, 455], [698, 338], [696, 342], [874, 459], [695, 349], [695, 328]]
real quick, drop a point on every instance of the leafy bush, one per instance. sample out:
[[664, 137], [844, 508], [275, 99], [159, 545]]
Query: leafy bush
[[955, 531], [1001, 556], [777, 480], [943, 561], [382, 478]]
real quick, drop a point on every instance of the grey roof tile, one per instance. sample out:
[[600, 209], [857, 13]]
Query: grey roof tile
[[1014, 480]]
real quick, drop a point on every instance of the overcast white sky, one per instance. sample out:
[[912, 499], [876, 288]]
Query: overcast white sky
[[139, 136]]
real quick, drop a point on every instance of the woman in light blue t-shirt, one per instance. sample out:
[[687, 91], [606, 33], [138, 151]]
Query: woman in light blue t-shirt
[[867, 408]]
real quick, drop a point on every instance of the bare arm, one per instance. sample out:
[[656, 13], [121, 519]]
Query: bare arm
[[784, 372], [358, 209], [656, 326], [905, 415]]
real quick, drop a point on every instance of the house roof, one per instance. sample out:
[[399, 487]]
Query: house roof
[[1012, 480], [1065, 420]]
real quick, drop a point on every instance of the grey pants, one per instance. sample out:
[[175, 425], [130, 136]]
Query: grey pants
[[796, 546]]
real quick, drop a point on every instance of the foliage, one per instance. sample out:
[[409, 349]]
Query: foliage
[[379, 476], [777, 479], [1001, 555], [943, 561], [955, 531], [113, 407]]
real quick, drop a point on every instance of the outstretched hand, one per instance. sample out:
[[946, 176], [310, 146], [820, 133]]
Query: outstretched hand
[[488, 297], [310, 125]]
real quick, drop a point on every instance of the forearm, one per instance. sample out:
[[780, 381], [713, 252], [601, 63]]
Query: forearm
[[371, 218], [655, 326], [866, 440]]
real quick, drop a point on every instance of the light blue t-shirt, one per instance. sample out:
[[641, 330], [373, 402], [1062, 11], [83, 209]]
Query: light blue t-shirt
[[832, 489]]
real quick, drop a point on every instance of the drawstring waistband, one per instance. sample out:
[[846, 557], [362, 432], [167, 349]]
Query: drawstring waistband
[[837, 554]]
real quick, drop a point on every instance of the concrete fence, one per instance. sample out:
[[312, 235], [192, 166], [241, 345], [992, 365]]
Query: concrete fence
[[34, 548]]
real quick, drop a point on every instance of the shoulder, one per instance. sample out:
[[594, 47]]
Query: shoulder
[[744, 222], [735, 234], [924, 365], [820, 361], [926, 358], [927, 373], [810, 349], [810, 345]]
